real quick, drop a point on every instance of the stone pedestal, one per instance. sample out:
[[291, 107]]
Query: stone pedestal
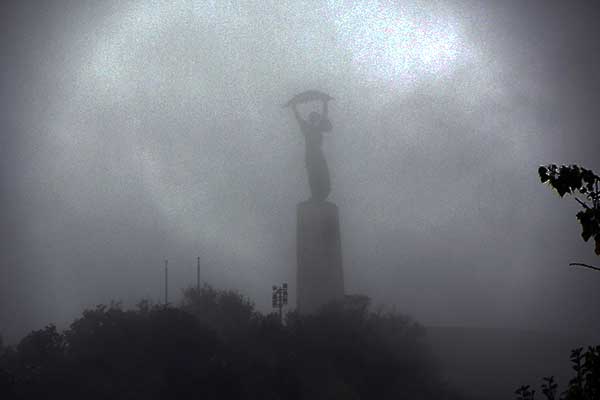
[[320, 278]]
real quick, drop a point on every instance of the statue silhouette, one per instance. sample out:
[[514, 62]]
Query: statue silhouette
[[313, 129], [319, 272]]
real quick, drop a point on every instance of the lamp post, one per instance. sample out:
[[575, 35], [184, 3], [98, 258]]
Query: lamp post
[[198, 274], [166, 283], [280, 298]]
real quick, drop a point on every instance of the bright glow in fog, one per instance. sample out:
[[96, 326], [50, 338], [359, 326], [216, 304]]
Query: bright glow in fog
[[152, 129], [388, 43], [401, 44], [184, 100]]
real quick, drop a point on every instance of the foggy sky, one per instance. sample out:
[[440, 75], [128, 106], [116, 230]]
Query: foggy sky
[[138, 131]]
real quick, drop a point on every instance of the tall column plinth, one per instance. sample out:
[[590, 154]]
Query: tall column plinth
[[320, 277]]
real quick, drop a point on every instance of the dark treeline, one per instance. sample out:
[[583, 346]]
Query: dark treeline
[[584, 385], [215, 345]]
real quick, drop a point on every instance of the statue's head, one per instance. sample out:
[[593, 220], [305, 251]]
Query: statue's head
[[314, 118]]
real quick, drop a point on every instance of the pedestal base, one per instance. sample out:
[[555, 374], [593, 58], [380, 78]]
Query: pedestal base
[[320, 278]]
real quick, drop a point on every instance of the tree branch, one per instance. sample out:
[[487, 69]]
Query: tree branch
[[583, 203], [597, 199], [584, 265]]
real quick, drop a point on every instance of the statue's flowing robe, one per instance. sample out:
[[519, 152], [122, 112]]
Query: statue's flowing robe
[[316, 166]]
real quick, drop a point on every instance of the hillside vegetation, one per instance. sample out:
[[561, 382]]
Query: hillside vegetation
[[215, 345]]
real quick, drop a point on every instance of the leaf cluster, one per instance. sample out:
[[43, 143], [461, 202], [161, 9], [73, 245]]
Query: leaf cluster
[[570, 179], [584, 185], [585, 385], [525, 393]]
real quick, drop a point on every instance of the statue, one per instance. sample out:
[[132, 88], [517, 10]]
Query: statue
[[313, 129], [319, 273]]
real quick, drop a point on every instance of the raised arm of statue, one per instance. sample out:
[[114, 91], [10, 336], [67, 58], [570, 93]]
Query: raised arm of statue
[[325, 123], [316, 121], [299, 118], [312, 129]]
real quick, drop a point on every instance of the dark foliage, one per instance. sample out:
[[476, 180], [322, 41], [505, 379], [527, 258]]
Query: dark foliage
[[525, 393], [216, 346], [585, 385], [577, 181]]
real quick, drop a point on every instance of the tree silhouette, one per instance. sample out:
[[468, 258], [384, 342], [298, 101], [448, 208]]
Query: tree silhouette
[[584, 186], [585, 385], [215, 345]]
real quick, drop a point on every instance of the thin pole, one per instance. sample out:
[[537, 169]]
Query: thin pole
[[198, 274], [166, 282], [280, 301]]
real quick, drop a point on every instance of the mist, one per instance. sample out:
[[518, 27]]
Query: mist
[[135, 132]]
